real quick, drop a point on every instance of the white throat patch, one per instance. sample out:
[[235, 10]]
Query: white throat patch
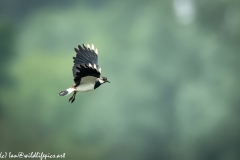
[[101, 81]]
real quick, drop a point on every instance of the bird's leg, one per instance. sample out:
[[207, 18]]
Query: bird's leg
[[72, 99]]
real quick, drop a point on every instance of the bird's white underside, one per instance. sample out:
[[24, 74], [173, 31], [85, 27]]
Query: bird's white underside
[[101, 81], [87, 84]]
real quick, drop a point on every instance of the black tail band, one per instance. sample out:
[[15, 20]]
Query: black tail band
[[63, 93]]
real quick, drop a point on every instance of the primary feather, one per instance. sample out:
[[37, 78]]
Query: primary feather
[[85, 63]]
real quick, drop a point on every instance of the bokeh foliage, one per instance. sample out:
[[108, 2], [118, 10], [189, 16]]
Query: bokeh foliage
[[174, 91]]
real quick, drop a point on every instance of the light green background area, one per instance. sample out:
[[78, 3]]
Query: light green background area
[[173, 67]]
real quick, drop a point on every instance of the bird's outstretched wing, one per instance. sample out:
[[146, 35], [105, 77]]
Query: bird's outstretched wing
[[85, 63], [86, 55]]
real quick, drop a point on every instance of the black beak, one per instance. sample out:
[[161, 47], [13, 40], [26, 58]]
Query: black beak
[[107, 81]]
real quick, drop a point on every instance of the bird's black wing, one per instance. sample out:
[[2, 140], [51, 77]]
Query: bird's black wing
[[85, 63]]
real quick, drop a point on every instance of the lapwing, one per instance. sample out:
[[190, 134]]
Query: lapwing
[[86, 73]]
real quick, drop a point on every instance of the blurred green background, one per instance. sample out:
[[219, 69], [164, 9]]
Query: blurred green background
[[173, 67]]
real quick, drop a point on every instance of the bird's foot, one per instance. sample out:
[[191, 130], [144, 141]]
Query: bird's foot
[[72, 99]]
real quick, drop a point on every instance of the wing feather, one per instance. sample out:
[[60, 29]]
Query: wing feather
[[85, 63]]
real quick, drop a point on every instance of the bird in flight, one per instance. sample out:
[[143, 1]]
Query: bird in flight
[[87, 75]]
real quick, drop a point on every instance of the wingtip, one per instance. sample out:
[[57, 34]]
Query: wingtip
[[95, 67], [96, 51], [88, 46], [84, 46], [76, 50], [79, 46], [90, 65]]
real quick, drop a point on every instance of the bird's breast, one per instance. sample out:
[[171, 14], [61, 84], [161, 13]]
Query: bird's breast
[[87, 84], [85, 87]]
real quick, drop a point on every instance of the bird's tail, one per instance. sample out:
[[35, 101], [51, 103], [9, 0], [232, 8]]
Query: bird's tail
[[67, 91]]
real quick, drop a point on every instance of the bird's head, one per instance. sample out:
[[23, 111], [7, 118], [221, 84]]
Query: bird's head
[[103, 80]]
